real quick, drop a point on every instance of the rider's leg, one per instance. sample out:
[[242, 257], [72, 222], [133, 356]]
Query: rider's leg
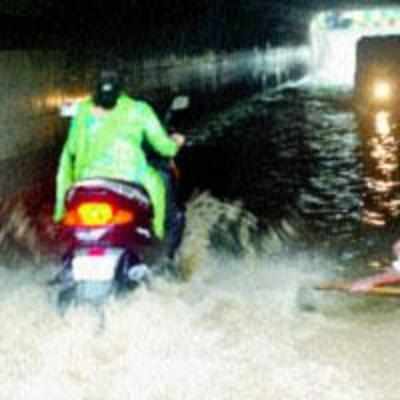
[[154, 185], [176, 228], [175, 216], [167, 213]]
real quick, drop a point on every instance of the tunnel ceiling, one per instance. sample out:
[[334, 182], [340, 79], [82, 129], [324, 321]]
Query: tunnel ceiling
[[221, 24], [95, 8]]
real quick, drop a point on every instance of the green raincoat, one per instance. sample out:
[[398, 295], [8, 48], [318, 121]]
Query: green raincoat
[[110, 146]]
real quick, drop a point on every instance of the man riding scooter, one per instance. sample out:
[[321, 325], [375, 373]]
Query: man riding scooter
[[106, 140]]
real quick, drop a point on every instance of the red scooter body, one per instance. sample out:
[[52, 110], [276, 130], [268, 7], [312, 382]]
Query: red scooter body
[[107, 228]]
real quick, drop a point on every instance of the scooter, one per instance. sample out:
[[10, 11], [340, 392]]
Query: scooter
[[108, 234]]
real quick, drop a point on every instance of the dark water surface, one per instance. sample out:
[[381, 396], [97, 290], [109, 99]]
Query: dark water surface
[[305, 151]]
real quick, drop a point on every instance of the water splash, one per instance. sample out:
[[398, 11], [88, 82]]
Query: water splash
[[235, 329]]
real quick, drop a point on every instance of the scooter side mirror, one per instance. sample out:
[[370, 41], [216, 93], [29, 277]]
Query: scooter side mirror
[[180, 103]]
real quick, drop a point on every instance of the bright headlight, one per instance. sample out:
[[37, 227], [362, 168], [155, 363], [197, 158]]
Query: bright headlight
[[382, 90]]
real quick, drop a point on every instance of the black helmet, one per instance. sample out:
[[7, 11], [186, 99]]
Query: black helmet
[[108, 88]]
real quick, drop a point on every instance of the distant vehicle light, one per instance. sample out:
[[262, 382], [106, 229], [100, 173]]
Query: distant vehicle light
[[382, 90]]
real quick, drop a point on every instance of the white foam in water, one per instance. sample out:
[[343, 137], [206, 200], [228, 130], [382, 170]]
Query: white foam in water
[[240, 328], [234, 331]]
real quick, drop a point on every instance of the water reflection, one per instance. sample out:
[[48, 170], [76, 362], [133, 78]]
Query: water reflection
[[380, 135], [382, 123], [295, 152]]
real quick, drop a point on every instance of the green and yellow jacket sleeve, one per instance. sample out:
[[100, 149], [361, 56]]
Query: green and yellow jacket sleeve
[[155, 134]]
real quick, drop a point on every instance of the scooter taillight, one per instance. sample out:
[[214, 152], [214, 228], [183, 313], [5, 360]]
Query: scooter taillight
[[97, 214]]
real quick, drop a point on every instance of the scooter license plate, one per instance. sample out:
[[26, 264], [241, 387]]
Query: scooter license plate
[[94, 268]]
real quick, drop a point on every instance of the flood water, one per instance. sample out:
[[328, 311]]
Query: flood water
[[246, 324], [303, 153]]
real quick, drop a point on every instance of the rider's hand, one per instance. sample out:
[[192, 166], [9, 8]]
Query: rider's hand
[[179, 139]]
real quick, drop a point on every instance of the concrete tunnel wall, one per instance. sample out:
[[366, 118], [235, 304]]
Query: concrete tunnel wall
[[34, 83]]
